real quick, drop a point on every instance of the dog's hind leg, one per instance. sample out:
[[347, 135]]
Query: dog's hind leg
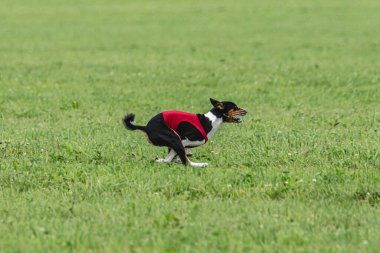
[[197, 165], [176, 158], [193, 164], [173, 157], [188, 153], [161, 135], [179, 149]]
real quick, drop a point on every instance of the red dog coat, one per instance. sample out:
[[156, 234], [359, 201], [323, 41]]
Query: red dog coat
[[174, 118]]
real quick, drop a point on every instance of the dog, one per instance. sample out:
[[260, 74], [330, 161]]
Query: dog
[[179, 130]]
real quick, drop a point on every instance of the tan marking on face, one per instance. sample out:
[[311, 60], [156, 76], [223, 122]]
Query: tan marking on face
[[229, 116], [220, 107], [232, 112]]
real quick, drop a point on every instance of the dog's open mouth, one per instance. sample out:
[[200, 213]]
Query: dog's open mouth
[[235, 116], [236, 119]]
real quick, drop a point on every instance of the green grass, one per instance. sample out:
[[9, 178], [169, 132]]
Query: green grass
[[301, 174]]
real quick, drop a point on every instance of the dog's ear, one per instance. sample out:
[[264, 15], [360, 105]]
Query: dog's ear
[[217, 104], [214, 102]]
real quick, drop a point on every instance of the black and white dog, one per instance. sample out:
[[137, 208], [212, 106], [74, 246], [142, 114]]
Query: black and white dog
[[178, 130]]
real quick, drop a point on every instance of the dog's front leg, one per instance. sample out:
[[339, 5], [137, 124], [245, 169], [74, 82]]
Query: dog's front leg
[[197, 165], [167, 159], [172, 154]]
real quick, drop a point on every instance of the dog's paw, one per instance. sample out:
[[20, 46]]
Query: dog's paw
[[176, 160], [159, 160], [198, 165]]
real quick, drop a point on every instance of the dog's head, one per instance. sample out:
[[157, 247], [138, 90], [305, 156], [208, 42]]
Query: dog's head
[[229, 111]]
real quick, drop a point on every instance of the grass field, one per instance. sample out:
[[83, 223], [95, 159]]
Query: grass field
[[301, 174]]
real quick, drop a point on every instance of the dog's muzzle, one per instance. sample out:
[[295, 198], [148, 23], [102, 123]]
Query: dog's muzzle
[[234, 115]]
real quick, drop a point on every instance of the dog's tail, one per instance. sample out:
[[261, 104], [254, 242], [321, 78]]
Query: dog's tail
[[129, 123]]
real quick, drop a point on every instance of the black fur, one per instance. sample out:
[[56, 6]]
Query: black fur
[[128, 119], [160, 134], [187, 131]]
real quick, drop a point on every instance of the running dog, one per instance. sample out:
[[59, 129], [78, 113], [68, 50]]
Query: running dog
[[179, 130]]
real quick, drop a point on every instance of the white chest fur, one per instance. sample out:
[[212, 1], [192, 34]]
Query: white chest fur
[[215, 122]]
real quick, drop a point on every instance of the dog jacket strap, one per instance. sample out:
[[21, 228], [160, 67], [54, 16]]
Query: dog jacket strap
[[174, 118]]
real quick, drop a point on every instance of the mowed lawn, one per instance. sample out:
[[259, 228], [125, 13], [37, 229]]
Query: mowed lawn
[[301, 174]]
